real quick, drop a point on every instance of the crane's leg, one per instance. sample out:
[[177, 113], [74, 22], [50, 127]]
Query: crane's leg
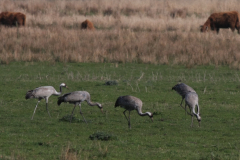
[[189, 110], [181, 102], [186, 109], [72, 113], [47, 107], [129, 121], [182, 106], [192, 117], [192, 121], [35, 109], [81, 112], [126, 116]]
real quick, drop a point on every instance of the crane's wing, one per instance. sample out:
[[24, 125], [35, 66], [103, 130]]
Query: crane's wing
[[77, 96], [183, 89], [45, 91]]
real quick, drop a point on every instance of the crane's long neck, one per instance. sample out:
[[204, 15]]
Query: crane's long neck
[[198, 112], [58, 93], [60, 89], [91, 103], [144, 114]]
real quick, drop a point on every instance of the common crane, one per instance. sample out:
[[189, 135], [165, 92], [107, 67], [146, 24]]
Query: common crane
[[191, 100], [43, 92], [182, 89], [77, 98], [130, 103]]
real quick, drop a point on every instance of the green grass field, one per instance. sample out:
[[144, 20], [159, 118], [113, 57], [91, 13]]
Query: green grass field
[[168, 137]]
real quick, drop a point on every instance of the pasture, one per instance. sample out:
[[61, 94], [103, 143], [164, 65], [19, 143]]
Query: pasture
[[168, 137]]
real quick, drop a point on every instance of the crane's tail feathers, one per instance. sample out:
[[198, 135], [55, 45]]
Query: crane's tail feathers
[[60, 100], [118, 101], [29, 94], [116, 104]]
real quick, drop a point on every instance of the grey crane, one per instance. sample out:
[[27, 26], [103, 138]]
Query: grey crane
[[76, 98], [130, 103], [44, 92], [191, 100], [182, 89]]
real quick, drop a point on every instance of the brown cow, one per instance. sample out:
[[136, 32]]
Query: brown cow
[[87, 25], [222, 20], [12, 19], [179, 13]]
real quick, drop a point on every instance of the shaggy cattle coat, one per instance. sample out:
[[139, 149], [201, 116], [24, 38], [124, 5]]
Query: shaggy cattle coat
[[222, 20], [12, 19], [87, 25]]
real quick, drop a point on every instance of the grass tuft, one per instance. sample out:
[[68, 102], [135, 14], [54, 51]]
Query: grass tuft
[[111, 83], [103, 136], [67, 118], [69, 153]]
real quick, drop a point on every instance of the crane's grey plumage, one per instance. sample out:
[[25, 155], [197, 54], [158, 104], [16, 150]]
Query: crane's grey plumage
[[77, 98], [43, 92], [131, 103], [191, 100], [183, 89]]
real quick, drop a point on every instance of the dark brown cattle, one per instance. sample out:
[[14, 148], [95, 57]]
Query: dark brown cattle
[[179, 13], [222, 20], [87, 25], [12, 19]]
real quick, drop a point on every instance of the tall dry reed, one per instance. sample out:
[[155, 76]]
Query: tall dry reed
[[126, 31]]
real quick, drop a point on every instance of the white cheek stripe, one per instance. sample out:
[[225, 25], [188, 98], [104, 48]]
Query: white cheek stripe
[[149, 113]]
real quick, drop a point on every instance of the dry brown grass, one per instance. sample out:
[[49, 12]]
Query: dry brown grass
[[69, 154], [126, 31]]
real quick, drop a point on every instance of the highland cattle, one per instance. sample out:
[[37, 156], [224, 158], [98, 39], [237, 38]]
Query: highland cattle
[[12, 19], [87, 25], [222, 20]]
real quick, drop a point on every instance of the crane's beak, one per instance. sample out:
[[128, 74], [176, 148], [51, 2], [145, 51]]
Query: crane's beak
[[199, 123], [67, 87], [152, 119], [102, 110]]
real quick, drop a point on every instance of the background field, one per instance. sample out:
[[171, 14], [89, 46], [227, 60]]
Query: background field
[[168, 137], [138, 45]]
